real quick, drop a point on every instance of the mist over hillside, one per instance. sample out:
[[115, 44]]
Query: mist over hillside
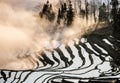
[[23, 32]]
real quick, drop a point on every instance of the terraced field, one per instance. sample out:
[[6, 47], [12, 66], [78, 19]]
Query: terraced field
[[94, 58]]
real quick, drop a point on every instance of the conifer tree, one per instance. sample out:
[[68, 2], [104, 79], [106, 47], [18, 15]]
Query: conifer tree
[[65, 7], [102, 13], [86, 9], [59, 16], [70, 15], [94, 10], [115, 15]]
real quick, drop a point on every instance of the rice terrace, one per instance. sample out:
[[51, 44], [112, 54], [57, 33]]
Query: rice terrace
[[59, 41]]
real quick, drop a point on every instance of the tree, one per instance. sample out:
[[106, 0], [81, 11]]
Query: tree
[[59, 16], [70, 15], [45, 7], [79, 4], [115, 15], [65, 7], [108, 6], [93, 9], [61, 13], [47, 12], [86, 9], [102, 13]]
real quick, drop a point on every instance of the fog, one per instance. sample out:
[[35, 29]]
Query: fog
[[23, 33]]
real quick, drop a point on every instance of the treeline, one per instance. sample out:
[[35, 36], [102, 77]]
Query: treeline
[[65, 13], [101, 12], [115, 12], [47, 12]]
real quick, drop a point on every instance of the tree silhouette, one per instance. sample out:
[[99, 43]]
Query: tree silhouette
[[103, 17], [86, 9], [47, 11], [59, 16], [70, 15], [116, 18]]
